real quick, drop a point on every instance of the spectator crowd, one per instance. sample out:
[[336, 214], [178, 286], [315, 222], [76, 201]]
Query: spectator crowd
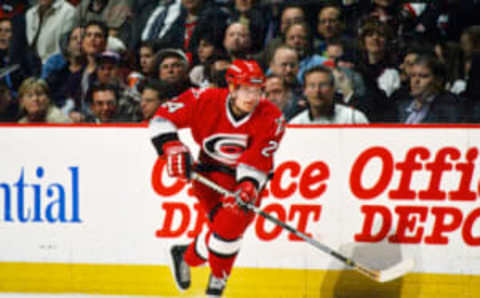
[[325, 61]]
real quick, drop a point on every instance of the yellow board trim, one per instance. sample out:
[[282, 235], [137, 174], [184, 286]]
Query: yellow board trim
[[244, 282]]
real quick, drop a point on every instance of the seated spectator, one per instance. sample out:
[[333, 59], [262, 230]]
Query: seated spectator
[[319, 89], [248, 13], [376, 64], [298, 37], [212, 72], [470, 44], [343, 62], [172, 66], [58, 60], [284, 64], [146, 59], [159, 21], [412, 52], [450, 54], [65, 81], [348, 92], [429, 102], [237, 41], [116, 14], [103, 99], [15, 66], [94, 42], [282, 96], [215, 19], [154, 93], [35, 103], [46, 22], [290, 14], [206, 49], [145, 65], [107, 73], [330, 27], [8, 106]]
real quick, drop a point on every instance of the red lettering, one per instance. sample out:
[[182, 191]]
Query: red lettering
[[406, 222], [167, 229], [313, 174], [367, 231], [407, 167], [467, 229], [157, 183], [441, 226], [304, 211], [260, 224], [437, 167], [385, 176], [463, 193], [275, 185]]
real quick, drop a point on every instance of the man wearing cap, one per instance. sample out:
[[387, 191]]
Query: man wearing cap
[[172, 66], [237, 139], [107, 72]]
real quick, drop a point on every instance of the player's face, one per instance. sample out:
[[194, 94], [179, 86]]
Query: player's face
[[421, 81], [246, 98], [319, 89], [149, 103]]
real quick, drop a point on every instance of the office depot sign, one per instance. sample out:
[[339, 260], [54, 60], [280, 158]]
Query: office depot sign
[[310, 182]]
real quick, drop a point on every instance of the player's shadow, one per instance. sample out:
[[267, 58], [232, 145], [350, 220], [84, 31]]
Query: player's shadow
[[351, 284]]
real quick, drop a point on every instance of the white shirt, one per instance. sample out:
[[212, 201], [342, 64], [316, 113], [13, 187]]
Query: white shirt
[[342, 115], [59, 19]]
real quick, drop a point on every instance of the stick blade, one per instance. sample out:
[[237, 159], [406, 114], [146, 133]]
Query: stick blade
[[396, 271]]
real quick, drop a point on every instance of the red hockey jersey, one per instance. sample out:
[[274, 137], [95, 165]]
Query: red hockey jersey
[[247, 144]]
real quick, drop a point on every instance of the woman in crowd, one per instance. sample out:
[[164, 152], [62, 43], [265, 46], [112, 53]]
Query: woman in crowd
[[35, 105]]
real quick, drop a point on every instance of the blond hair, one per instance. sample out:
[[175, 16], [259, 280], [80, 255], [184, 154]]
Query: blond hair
[[33, 83]]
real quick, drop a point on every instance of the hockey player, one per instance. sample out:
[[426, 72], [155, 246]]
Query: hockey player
[[238, 132]]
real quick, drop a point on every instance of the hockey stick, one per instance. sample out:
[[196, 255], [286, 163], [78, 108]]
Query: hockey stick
[[396, 271]]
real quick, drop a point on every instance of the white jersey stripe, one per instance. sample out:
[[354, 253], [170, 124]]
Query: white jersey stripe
[[223, 247]]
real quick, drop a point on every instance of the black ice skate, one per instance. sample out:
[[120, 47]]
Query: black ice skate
[[216, 286], [180, 269]]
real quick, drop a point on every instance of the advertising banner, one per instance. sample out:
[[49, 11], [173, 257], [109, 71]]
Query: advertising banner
[[84, 196]]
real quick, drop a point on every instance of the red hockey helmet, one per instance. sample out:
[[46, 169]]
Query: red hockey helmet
[[245, 72]]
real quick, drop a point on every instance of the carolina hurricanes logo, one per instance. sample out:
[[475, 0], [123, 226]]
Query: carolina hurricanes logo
[[226, 148]]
